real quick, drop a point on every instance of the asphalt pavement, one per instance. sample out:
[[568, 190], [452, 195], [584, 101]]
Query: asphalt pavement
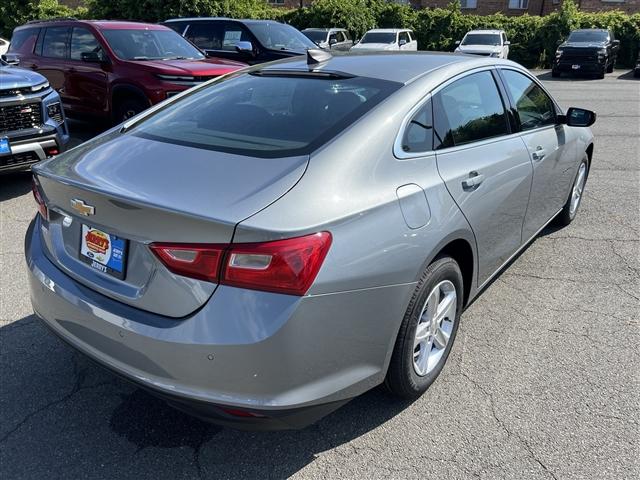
[[543, 381]]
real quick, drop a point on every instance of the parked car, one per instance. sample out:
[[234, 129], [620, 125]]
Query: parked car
[[4, 46], [387, 39], [330, 38], [113, 70], [32, 122], [592, 51], [490, 43], [250, 41], [272, 245]]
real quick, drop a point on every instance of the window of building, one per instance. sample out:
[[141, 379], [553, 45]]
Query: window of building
[[468, 3], [518, 4]]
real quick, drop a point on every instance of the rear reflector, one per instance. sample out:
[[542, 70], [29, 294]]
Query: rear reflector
[[191, 260], [284, 266]]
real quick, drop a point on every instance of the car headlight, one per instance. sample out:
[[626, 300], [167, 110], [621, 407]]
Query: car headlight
[[40, 87], [177, 78]]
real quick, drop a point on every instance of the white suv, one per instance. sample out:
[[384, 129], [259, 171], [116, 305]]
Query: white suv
[[489, 43], [387, 39]]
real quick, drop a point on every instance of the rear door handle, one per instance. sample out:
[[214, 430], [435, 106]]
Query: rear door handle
[[474, 181], [538, 154]]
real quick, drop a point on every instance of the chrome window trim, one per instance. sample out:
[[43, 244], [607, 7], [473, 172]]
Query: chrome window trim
[[399, 153]]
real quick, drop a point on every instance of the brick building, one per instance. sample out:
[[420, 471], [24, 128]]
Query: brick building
[[508, 7]]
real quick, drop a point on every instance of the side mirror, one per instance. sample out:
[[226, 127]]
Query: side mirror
[[11, 59], [333, 41], [578, 117], [457, 43], [402, 42], [91, 57], [616, 43], [244, 47], [507, 43]]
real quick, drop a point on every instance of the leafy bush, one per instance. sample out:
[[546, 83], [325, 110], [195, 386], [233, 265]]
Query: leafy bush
[[533, 39]]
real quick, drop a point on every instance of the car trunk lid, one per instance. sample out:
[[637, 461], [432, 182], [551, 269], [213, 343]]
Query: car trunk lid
[[141, 191]]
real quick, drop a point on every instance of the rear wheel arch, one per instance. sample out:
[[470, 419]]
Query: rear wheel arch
[[462, 252], [590, 156]]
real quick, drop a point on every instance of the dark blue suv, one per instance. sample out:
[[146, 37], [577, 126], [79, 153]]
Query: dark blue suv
[[32, 121]]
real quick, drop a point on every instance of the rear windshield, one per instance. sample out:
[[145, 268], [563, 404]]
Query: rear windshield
[[150, 45], [379, 37], [586, 36], [481, 39], [265, 116]]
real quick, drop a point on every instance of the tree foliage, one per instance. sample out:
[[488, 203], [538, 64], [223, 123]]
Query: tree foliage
[[534, 39]]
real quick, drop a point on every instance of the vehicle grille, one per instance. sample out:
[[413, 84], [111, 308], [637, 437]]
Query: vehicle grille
[[20, 116], [18, 158], [578, 55]]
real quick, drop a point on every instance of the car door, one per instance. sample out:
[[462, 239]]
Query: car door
[[53, 54], [485, 166], [404, 41], [549, 145], [334, 41], [219, 38], [87, 81], [505, 46], [348, 42]]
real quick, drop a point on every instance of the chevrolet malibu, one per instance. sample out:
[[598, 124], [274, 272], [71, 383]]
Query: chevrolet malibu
[[262, 248]]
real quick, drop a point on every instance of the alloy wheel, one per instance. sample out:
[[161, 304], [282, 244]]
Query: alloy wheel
[[434, 328], [578, 188]]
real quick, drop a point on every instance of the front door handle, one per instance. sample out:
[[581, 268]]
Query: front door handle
[[474, 181], [538, 154]]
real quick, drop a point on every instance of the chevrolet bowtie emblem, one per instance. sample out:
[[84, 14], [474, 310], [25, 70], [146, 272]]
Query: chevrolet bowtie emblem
[[82, 208]]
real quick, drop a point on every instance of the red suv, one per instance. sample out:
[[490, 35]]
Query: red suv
[[112, 69]]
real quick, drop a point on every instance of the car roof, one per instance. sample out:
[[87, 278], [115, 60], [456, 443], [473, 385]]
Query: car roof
[[392, 66], [100, 24], [389, 30], [485, 31], [201, 19], [324, 29], [590, 30]]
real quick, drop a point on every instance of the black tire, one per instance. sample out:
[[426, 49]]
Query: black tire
[[566, 216], [611, 65], [128, 108], [636, 73], [402, 379], [555, 73], [600, 75]]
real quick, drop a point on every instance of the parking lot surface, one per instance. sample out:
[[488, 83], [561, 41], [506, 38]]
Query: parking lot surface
[[543, 381]]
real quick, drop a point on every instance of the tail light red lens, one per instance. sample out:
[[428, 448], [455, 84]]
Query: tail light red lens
[[42, 207], [191, 260], [284, 266]]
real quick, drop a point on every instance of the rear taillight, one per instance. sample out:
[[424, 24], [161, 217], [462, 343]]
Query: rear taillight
[[42, 207], [283, 266], [191, 260]]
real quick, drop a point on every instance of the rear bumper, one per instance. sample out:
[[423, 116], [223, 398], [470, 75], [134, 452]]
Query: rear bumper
[[286, 360]]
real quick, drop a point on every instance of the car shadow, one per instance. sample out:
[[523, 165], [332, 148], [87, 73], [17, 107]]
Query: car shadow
[[57, 400], [14, 185], [629, 76], [574, 77]]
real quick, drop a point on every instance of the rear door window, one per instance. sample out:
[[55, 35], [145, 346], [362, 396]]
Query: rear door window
[[418, 134], [56, 42], [535, 108], [266, 115], [469, 110]]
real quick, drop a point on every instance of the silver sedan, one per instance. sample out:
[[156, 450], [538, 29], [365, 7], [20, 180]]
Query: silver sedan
[[264, 247]]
